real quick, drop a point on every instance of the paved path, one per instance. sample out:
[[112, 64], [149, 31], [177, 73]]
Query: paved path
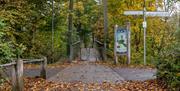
[[87, 73], [90, 73], [136, 74], [36, 72]]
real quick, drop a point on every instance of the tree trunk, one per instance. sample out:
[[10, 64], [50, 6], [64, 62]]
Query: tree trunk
[[70, 29], [105, 28]]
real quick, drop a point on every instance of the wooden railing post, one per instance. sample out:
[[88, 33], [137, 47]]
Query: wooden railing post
[[19, 74], [14, 80], [43, 68]]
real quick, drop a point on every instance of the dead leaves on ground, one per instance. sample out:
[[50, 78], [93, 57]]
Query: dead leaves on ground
[[39, 84], [77, 62]]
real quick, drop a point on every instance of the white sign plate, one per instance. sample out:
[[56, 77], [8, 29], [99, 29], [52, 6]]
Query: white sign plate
[[144, 24], [149, 13]]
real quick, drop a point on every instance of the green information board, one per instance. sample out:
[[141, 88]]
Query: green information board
[[122, 39], [121, 44]]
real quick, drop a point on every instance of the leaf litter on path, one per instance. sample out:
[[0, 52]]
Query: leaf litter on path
[[39, 84]]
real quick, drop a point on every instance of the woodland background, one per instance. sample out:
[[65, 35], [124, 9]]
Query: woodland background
[[25, 31]]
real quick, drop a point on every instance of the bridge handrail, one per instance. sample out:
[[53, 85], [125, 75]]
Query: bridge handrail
[[99, 42], [75, 43], [8, 64]]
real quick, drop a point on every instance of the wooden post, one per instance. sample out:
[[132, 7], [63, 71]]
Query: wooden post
[[14, 80], [129, 44], [115, 53], [19, 74], [43, 68]]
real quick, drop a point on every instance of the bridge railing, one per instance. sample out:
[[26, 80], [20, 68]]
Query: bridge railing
[[17, 71], [109, 51]]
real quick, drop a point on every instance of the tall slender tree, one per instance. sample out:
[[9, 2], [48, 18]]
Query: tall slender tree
[[105, 27], [70, 29]]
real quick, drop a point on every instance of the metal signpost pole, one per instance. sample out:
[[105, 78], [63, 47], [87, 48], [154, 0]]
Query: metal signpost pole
[[144, 26]]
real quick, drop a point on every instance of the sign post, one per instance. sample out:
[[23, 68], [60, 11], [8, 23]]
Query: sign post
[[121, 43], [115, 54], [129, 43], [147, 13], [144, 26]]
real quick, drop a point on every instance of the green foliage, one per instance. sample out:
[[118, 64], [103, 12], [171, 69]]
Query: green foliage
[[2, 25], [169, 64], [29, 23], [168, 71], [24, 19], [6, 50], [86, 14]]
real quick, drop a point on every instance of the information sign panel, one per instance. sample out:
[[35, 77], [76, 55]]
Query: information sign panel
[[121, 41]]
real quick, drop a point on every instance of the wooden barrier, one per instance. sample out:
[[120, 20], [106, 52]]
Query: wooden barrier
[[14, 78], [43, 68], [17, 71]]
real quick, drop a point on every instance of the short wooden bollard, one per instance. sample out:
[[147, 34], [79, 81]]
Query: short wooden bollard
[[19, 73], [43, 68], [14, 81]]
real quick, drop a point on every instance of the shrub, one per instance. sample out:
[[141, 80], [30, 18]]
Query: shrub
[[169, 65], [6, 50]]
